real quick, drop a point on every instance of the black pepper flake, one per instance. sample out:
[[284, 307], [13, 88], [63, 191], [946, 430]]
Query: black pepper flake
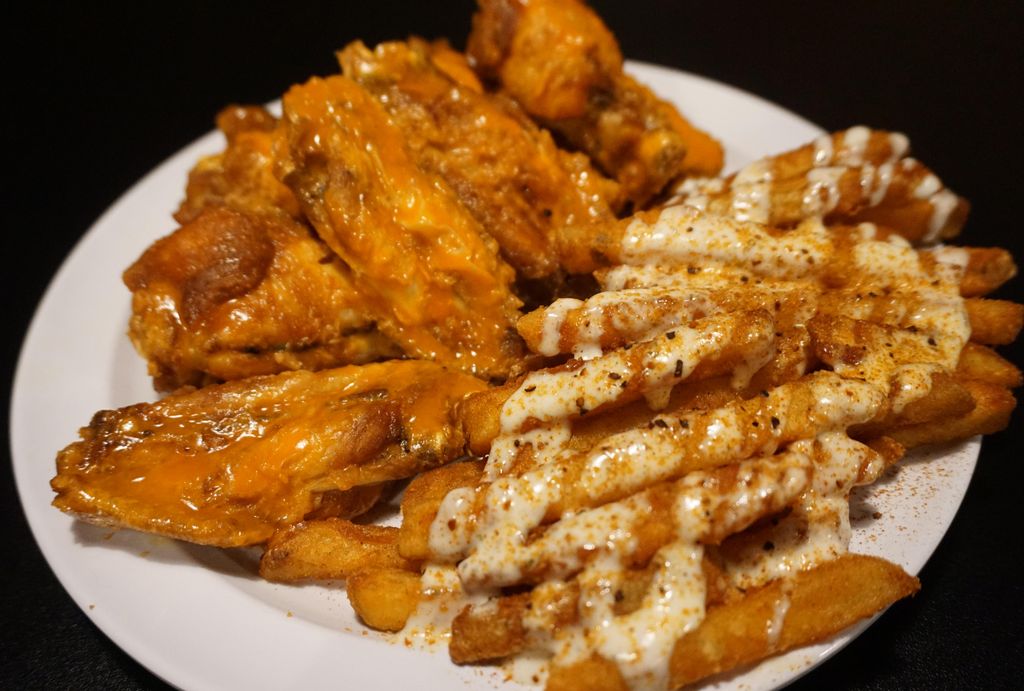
[[530, 389], [744, 279], [778, 305], [627, 346], [670, 335], [614, 375], [516, 443], [765, 394], [661, 423], [768, 546], [624, 384], [452, 524], [685, 424], [689, 229], [775, 422], [931, 341], [756, 423], [679, 368]]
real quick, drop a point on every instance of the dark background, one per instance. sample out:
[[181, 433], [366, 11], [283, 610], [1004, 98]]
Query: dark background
[[98, 94]]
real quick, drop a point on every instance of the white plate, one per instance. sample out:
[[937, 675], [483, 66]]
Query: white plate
[[199, 617]]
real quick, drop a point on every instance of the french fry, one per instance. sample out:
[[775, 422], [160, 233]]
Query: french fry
[[330, 549], [822, 602], [422, 499], [984, 364], [498, 629], [346, 503], [384, 598], [766, 485], [946, 397], [993, 406], [815, 605], [776, 417], [987, 269], [630, 372], [626, 316], [994, 322]]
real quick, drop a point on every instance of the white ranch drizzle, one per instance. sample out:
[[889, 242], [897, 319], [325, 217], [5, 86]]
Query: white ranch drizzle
[[631, 460], [818, 528], [751, 192], [822, 195], [637, 312], [683, 234], [554, 317], [494, 533]]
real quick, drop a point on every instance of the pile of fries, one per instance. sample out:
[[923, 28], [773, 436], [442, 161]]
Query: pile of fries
[[648, 482]]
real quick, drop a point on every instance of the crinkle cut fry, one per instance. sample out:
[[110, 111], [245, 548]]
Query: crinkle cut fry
[[228, 465], [560, 62], [505, 170], [433, 278], [821, 602], [733, 339]]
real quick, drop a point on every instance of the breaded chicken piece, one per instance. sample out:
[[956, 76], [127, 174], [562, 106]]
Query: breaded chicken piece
[[242, 176], [227, 465], [232, 294], [433, 278], [505, 170], [563, 65]]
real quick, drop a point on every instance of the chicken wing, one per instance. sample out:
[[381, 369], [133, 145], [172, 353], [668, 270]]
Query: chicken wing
[[563, 65], [505, 170], [242, 176], [232, 294], [227, 465], [434, 278]]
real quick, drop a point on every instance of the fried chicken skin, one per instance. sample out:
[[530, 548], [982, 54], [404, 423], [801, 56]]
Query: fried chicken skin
[[563, 65], [229, 464], [233, 294], [433, 277], [504, 169], [242, 176]]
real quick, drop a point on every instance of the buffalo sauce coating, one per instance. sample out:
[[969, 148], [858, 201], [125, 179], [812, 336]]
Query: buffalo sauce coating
[[433, 277], [227, 464], [567, 517]]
